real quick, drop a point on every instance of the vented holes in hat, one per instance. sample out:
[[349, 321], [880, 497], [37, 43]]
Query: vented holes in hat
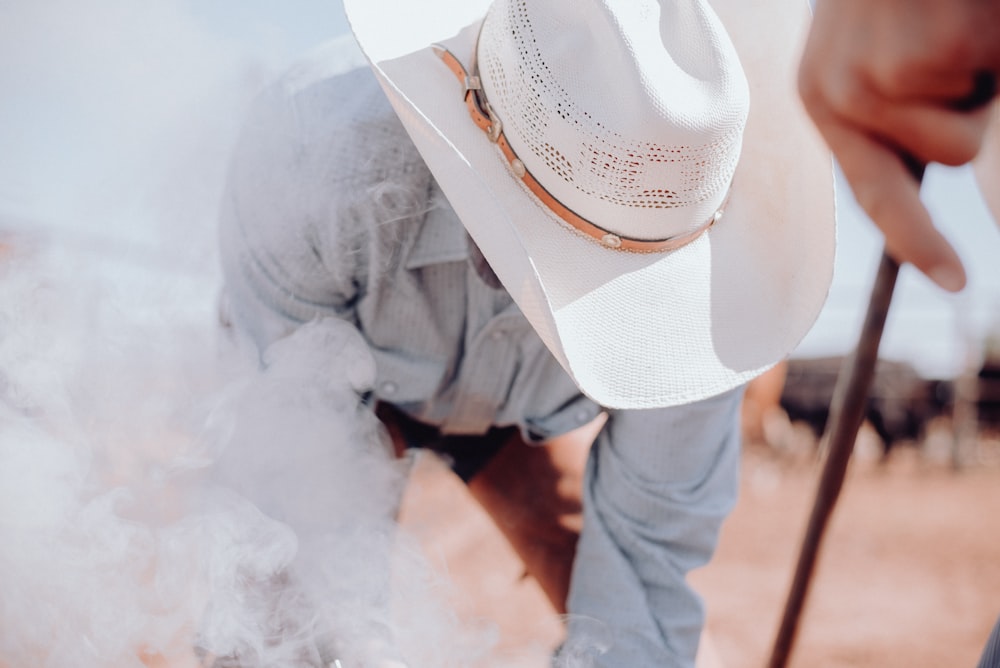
[[557, 162], [636, 174]]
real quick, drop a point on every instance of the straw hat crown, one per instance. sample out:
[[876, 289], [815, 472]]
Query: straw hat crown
[[631, 114]]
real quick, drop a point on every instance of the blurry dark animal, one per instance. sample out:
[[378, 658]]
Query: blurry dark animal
[[900, 404], [988, 395]]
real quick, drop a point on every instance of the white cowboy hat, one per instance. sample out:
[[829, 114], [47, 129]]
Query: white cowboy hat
[[620, 130]]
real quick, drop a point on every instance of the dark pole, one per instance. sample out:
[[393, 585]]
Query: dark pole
[[846, 412], [849, 399]]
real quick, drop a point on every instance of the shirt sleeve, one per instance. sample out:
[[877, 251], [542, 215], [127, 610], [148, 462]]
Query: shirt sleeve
[[659, 484], [294, 252], [289, 251]]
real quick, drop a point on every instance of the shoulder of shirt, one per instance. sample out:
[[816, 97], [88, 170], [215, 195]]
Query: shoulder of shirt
[[355, 157], [327, 121]]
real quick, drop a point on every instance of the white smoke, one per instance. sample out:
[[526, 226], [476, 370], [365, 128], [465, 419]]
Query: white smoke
[[163, 502], [156, 496]]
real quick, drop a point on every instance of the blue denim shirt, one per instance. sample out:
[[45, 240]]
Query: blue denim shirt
[[330, 211]]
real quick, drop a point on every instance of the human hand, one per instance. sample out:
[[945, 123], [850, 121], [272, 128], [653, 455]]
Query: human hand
[[986, 166], [892, 84]]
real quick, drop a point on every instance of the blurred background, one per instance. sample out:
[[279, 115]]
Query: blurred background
[[115, 122]]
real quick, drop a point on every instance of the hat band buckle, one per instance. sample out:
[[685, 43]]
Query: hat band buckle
[[485, 118]]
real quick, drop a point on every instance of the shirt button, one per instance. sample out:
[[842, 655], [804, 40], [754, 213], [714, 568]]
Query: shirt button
[[389, 388], [582, 416], [497, 335]]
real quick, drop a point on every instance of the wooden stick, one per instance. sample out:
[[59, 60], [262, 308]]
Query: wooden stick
[[846, 413], [847, 409]]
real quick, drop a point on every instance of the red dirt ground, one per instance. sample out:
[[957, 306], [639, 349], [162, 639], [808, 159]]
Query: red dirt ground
[[909, 573]]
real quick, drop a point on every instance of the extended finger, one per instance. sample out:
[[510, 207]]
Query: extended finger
[[886, 190], [921, 79], [929, 132]]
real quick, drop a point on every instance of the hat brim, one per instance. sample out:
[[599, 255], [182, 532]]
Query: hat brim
[[634, 330]]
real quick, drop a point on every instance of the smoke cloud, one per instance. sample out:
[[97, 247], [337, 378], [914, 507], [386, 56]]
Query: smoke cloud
[[163, 500]]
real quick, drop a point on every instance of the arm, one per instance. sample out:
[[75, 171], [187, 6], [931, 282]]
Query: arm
[[301, 444], [289, 250], [887, 78], [658, 486]]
